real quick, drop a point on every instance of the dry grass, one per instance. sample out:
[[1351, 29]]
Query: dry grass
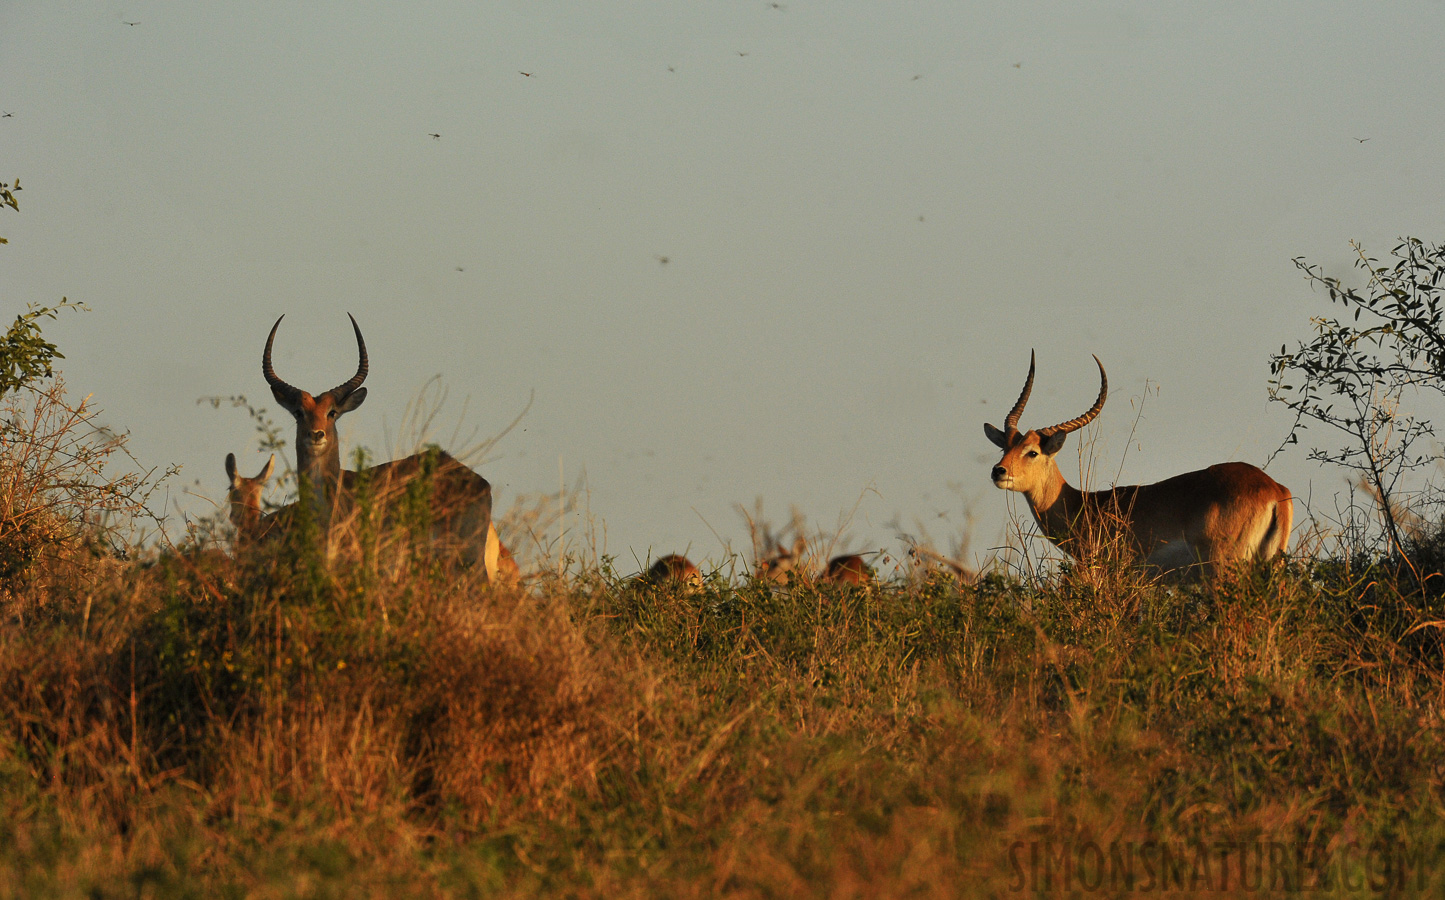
[[373, 720]]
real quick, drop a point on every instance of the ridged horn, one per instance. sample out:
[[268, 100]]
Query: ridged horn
[[277, 385], [1086, 418], [341, 391], [1011, 423]]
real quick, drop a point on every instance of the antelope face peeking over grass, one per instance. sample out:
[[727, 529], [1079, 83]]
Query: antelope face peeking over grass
[[244, 498]]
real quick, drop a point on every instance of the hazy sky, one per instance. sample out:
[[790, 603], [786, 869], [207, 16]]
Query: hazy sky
[[737, 249]]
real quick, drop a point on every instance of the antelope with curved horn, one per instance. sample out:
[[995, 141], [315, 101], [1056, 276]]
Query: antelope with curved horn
[[244, 498], [1228, 513], [460, 499]]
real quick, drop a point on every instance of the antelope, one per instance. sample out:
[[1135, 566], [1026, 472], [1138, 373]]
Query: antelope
[[244, 498], [781, 561], [673, 569], [461, 500], [1216, 517], [849, 569], [841, 570]]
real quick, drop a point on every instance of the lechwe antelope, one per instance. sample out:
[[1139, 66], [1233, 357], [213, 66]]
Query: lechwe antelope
[[460, 499], [1225, 514], [673, 569], [781, 561], [850, 569], [244, 498]]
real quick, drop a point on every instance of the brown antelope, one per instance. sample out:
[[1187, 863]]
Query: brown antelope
[[850, 569], [785, 562], [244, 497], [673, 569], [460, 499], [1228, 513]]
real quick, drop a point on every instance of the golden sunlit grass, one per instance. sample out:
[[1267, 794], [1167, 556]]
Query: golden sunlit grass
[[286, 722]]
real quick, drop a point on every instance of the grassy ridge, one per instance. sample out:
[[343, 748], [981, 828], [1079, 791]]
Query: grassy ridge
[[280, 725]]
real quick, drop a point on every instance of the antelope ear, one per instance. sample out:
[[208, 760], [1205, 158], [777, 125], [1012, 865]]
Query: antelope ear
[[265, 474], [998, 437], [231, 468], [285, 397], [1053, 443], [352, 401]]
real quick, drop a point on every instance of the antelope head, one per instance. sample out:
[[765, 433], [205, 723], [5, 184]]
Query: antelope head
[[1028, 463], [318, 455], [244, 495]]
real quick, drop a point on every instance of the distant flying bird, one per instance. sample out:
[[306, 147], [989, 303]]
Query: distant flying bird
[[8, 116], [1362, 140], [434, 136], [130, 23], [520, 72], [917, 77], [741, 53], [663, 259], [460, 269], [777, 6], [672, 68]]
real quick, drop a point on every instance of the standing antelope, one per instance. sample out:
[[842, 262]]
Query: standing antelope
[[1228, 513], [461, 500], [244, 498]]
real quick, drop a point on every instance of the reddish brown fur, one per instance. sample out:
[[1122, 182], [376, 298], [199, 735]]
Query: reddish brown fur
[[673, 568], [244, 498], [1227, 513], [849, 569]]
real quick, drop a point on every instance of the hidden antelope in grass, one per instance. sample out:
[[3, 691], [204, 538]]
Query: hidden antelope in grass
[[781, 561], [461, 500], [243, 498], [1228, 513], [673, 569]]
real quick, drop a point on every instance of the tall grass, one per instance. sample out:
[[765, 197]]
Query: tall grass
[[372, 719]]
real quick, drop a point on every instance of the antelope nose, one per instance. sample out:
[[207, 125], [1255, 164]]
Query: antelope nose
[[999, 472], [318, 436]]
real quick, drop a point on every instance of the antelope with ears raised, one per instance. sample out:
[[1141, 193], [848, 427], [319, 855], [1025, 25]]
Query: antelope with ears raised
[[461, 499], [244, 498], [1228, 513]]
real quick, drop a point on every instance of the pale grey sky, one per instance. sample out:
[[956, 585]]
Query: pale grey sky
[[870, 213]]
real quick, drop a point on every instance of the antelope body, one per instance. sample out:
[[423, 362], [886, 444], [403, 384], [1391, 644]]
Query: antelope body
[[850, 569], [1226, 514]]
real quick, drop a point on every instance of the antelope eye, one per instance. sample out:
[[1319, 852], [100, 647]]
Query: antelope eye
[[331, 414], [1031, 454]]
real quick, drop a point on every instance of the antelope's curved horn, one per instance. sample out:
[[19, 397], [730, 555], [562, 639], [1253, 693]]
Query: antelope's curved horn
[[1086, 418], [1011, 423], [342, 390], [277, 385]]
